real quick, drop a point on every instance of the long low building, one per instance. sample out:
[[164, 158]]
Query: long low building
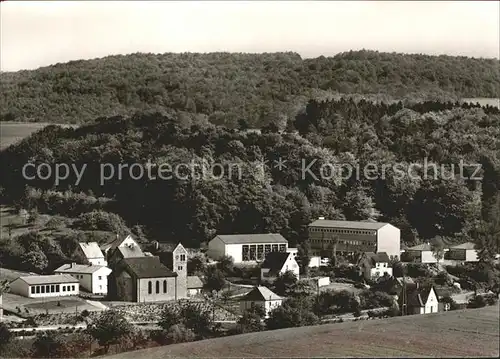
[[93, 278], [352, 236], [42, 286], [246, 248]]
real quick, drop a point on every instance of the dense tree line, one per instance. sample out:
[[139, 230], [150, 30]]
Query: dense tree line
[[229, 88], [435, 202]]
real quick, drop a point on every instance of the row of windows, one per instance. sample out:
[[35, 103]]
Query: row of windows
[[52, 288], [258, 252], [344, 231], [351, 243], [150, 287], [80, 276], [182, 257]]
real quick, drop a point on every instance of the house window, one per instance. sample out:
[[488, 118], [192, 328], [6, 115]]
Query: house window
[[150, 287], [253, 250], [282, 247], [47, 289], [164, 286], [43, 288], [72, 288], [183, 257], [100, 277], [57, 288], [274, 248], [52, 288], [260, 251], [157, 286], [179, 267], [64, 288], [100, 287], [32, 290], [245, 252]]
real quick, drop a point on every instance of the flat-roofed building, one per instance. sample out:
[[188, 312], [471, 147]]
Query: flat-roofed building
[[42, 286], [246, 248], [353, 236]]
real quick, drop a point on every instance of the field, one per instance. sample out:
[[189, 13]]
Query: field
[[12, 132], [464, 333]]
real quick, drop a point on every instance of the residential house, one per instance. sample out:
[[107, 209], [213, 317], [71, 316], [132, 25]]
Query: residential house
[[93, 253], [92, 278], [175, 259], [143, 279], [314, 262], [42, 286], [348, 237], [277, 263], [465, 252], [375, 265], [120, 249], [194, 285], [263, 297], [246, 248], [421, 253], [419, 300]]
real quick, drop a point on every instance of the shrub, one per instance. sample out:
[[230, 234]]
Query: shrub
[[477, 302]]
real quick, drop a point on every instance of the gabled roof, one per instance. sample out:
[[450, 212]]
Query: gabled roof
[[147, 267], [347, 224], [417, 297], [252, 238], [91, 250], [275, 261], [194, 282], [261, 294], [466, 245], [421, 247], [115, 243], [48, 279], [131, 252], [80, 268], [380, 257]]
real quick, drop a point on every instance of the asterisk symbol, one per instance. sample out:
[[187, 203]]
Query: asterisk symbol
[[280, 164]]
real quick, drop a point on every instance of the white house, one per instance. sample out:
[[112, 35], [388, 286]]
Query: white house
[[375, 265], [422, 300], [353, 236], [422, 253], [277, 263], [93, 253], [263, 297], [194, 285], [465, 252], [121, 248], [246, 248], [314, 262], [92, 278], [42, 286]]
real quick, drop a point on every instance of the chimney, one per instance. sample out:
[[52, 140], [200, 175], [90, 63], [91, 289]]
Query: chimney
[[72, 265], [321, 217]]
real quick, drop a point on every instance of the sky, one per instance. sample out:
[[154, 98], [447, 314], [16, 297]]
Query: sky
[[41, 33]]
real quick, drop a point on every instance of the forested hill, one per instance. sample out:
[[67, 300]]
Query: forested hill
[[443, 200], [233, 88]]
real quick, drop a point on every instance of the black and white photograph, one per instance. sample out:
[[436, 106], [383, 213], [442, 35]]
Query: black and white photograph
[[249, 179]]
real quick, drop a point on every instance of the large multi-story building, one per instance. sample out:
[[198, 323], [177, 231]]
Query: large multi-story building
[[350, 237], [246, 248]]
